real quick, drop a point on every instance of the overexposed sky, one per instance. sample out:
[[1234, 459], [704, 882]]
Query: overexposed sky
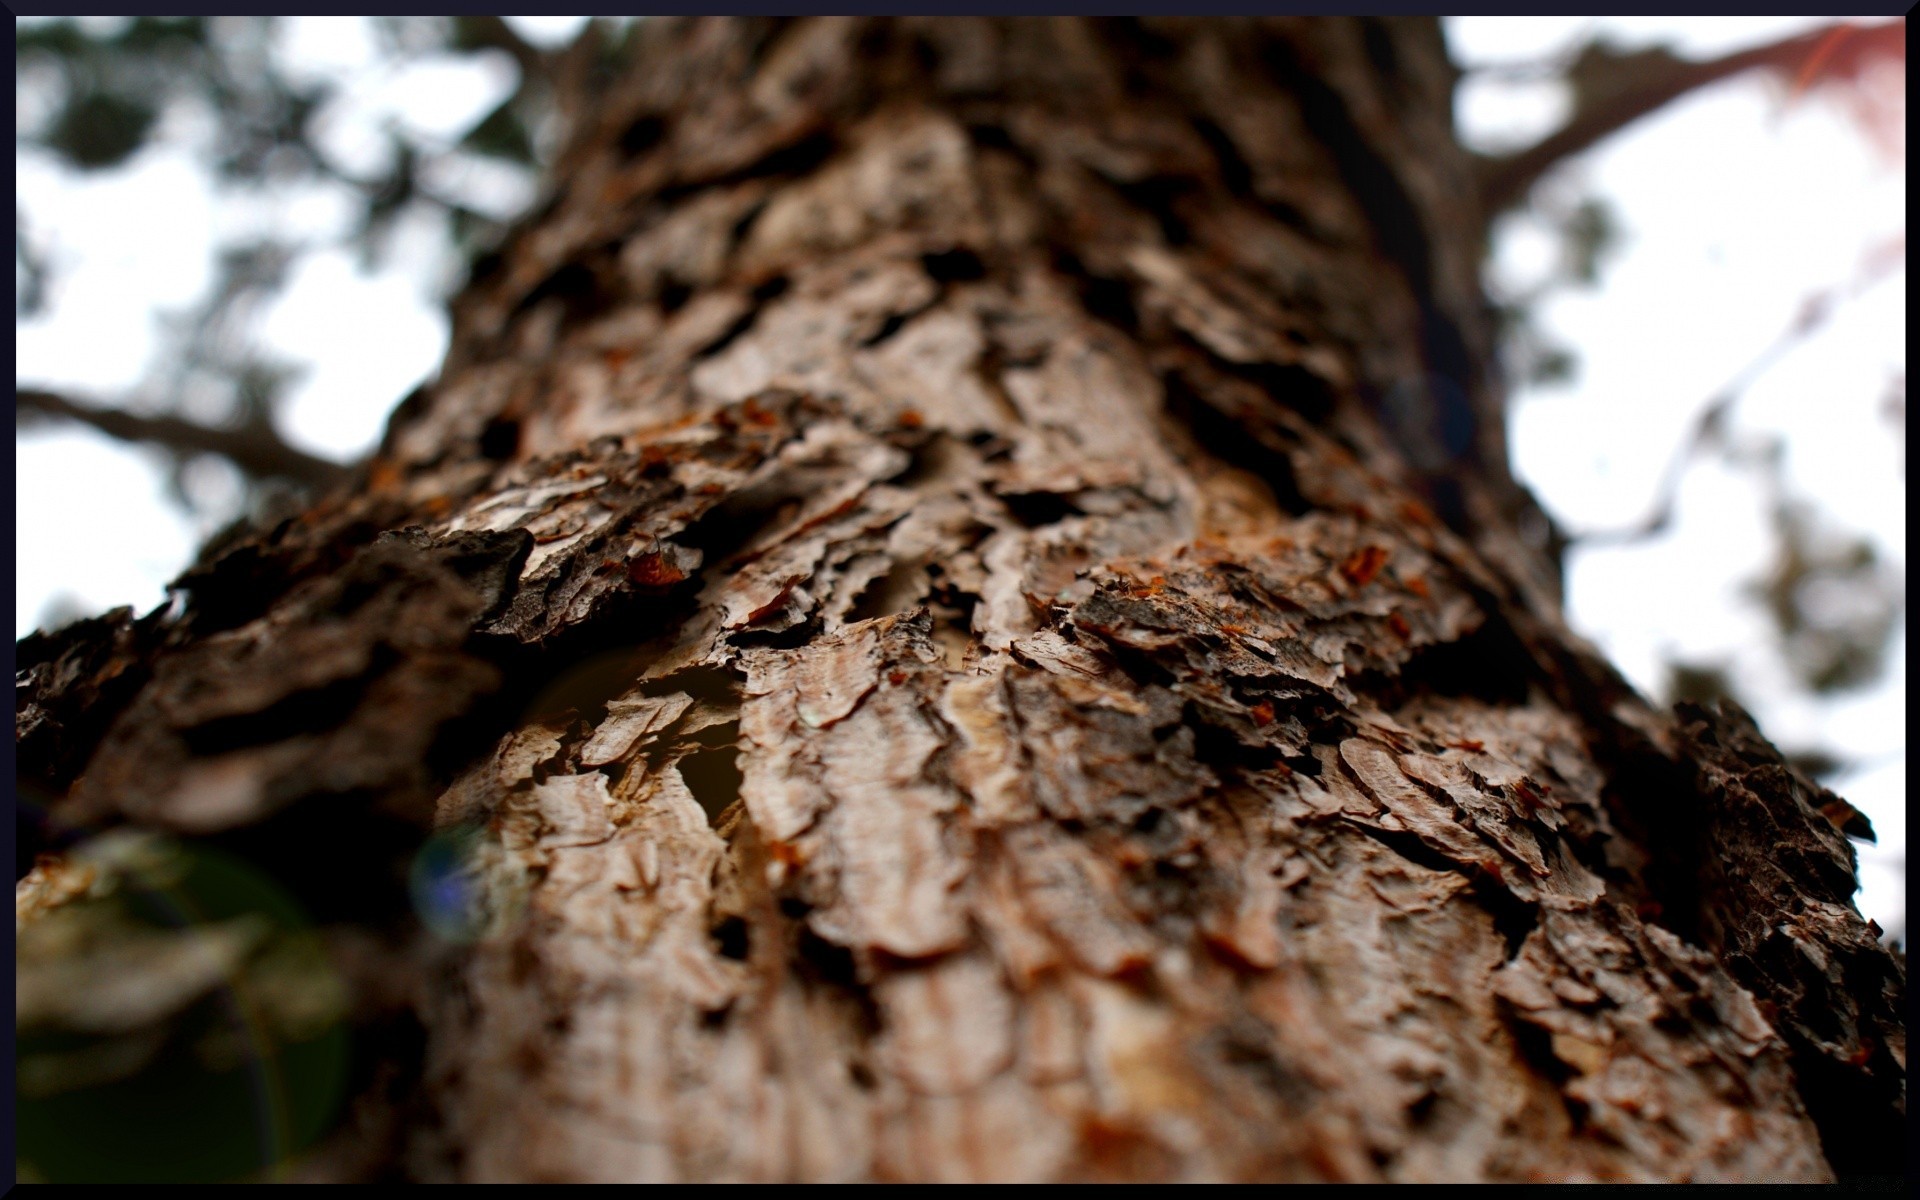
[[1735, 205]]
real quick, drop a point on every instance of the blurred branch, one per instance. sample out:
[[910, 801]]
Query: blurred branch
[[493, 32], [1710, 426], [1613, 88], [254, 447]]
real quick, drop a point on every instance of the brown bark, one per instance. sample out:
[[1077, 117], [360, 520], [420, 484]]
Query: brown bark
[[959, 592]]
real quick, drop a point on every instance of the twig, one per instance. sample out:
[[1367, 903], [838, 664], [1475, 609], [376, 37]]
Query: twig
[[254, 448], [1814, 313], [1615, 88]]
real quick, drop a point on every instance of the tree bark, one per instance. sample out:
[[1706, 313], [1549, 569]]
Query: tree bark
[[957, 612]]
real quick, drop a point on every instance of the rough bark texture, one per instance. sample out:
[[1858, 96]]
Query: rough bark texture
[[959, 594]]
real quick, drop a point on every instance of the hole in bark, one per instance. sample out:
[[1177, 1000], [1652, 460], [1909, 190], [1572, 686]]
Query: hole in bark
[[1490, 664], [954, 266], [828, 962], [500, 439], [770, 289], [731, 938], [794, 908], [1536, 1049], [716, 1019], [713, 776], [862, 1076], [642, 135], [673, 296], [1035, 509], [1513, 918], [899, 589], [1420, 1112]]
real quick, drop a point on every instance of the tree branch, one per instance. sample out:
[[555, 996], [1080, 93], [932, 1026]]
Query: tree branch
[[1711, 424], [256, 449], [1615, 88]]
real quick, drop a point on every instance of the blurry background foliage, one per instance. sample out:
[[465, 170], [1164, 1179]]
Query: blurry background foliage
[[403, 147]]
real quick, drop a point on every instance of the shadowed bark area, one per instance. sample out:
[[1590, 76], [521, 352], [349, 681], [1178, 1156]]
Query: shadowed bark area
[[959, 594]]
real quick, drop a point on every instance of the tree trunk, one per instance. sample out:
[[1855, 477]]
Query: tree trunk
[[958, 612]]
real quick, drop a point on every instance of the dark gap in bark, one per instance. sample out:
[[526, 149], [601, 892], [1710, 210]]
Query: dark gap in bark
[[862, 1076], [1368, 175], [958, 265], [892, 325], [314, 710], [1035, 509], [1160, 196], [1219, 745], [1490, 664], [744, 225], [1513, 918], [734, 522], [642, 135], [1862, 1130], [1402, 237], [1105, 299], [1240, 443], [313, 844], [1420, 1113], [673, 296], [1246, 1045], [582, 682], [1652, 806], [1234, 171], [794, 908], [1378, 41], [762, 293], [827, 962], [716, 1019], [1290, 384], [992, 136], [731, 938], [575, 285], [713, 776], [892, 593], [485, 268], [1536, 1051], [794, 638], [798, 158], [926, 55], [500, 440]]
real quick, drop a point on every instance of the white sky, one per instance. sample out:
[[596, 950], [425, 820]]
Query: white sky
[[1735, 206]]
